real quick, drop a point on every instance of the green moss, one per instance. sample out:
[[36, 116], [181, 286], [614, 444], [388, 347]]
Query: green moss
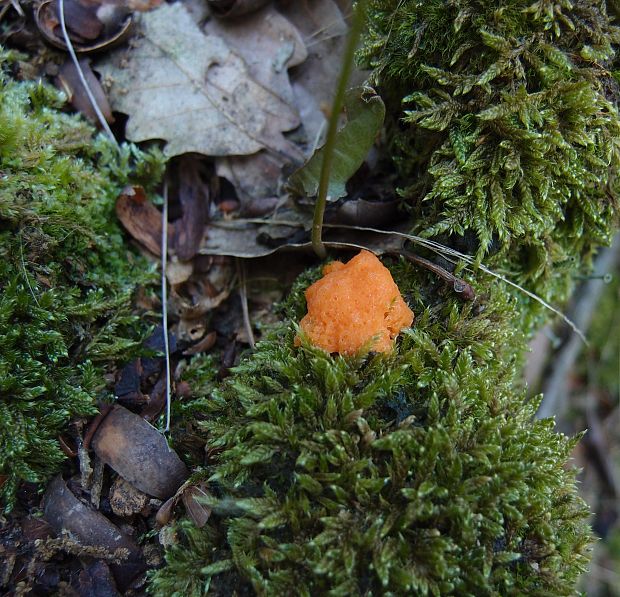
[[504, 127], [420, 472], [66, 277]]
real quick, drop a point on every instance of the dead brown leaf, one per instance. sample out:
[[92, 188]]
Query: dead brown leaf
[[178, 272], [191, 330], [164, 514], [192, 494], [69, 81], [89, 28], [202, 293], [268, 43], [243, 238], [81, 19], [193, 500], [141, 219], [156, 400], [204, 345], [194, 198]]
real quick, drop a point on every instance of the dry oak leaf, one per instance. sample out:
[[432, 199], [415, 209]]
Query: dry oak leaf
[[192, 91]]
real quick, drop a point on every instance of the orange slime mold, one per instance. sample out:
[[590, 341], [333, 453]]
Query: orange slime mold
[[353, 305]]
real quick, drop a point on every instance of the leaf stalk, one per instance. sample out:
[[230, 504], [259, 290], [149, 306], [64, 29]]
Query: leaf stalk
[[332, 128]]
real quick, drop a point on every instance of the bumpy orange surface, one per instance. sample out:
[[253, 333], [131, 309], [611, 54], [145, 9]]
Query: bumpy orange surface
[[353, 303]]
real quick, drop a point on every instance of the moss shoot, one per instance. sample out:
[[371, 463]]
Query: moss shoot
[[504, 127], [420, 472], [66, 276]]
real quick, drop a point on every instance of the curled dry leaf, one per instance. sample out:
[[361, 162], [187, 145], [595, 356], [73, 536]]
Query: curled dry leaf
[[88, 34], [202, 292], [193, 497], [141, 218], [191, 330], [206, 344], [192, 91], [81, 20], [234, 8], [178, 272], [156, 400], [194, 501], [242, 238], [139, 453], [164, 514], [69, 81]]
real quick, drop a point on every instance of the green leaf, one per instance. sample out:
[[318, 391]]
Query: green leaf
[[365, 112]]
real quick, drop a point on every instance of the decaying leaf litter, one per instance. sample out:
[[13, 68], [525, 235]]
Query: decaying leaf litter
[[237, 95]]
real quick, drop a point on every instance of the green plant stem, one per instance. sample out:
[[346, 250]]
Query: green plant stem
[[332, 129]]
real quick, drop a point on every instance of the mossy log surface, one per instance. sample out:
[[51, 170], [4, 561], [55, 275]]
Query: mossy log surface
[[420, 472]]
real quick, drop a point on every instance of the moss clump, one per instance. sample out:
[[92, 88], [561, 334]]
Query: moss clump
[[66, 278], [504, 126], [419, 472]]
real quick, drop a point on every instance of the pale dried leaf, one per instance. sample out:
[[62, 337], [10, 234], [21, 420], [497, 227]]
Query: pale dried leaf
[[202, 293], [254, 177], [268, 43], [246, 239], [178, 272], [192, 91], [323, 30]]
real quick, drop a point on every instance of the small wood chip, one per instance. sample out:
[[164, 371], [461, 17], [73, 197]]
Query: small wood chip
[[125, 499], [139, 453]]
